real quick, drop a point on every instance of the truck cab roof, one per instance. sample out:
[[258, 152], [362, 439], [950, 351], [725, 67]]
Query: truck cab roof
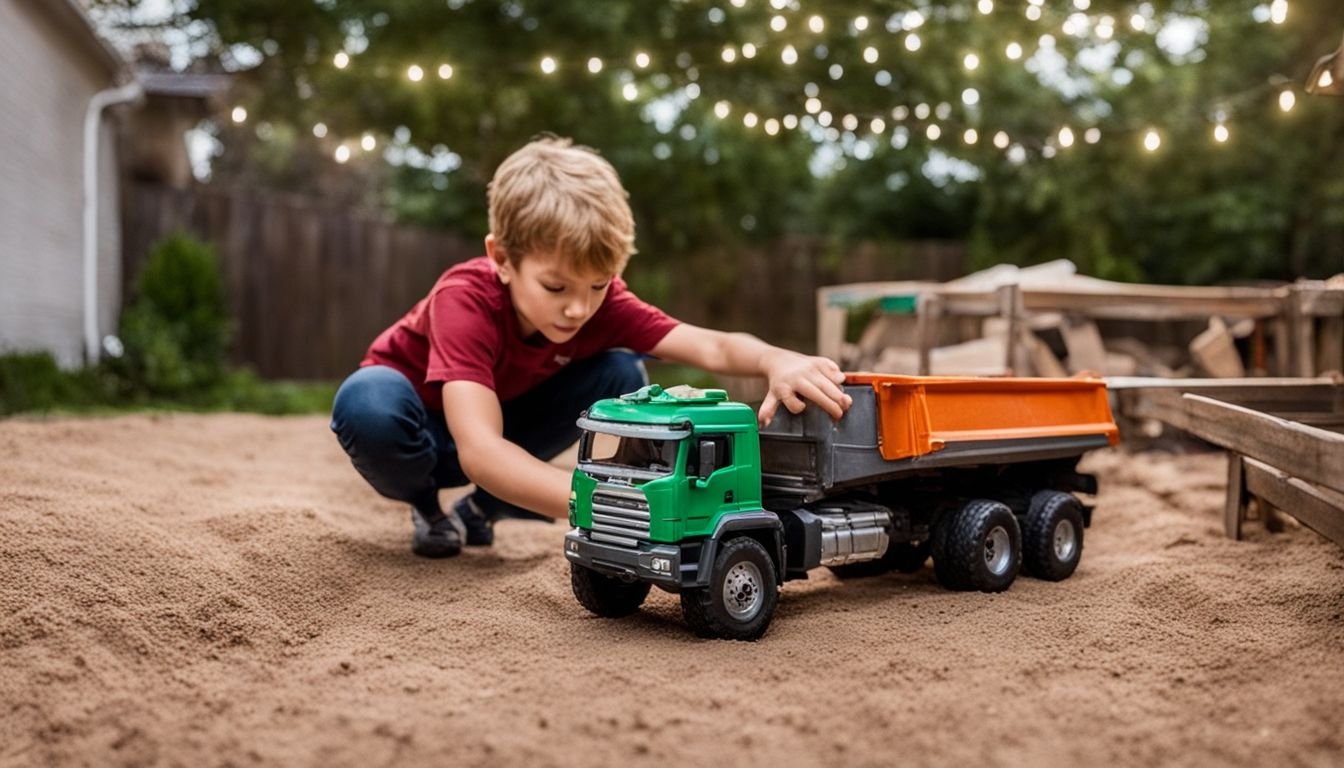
[[678, 407]]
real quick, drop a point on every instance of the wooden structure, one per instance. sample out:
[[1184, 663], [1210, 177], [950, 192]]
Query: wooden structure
[[1304, 322], [1285, 450]]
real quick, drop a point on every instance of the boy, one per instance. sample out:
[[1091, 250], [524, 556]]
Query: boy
[[484, 379]]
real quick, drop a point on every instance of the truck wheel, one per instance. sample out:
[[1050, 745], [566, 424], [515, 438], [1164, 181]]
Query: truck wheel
[[606, 596], [741, 597], [903, 557], [982, 549], [1053, 540]]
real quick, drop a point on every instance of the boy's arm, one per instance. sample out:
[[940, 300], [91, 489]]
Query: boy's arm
[[492, 462], [792, 377]]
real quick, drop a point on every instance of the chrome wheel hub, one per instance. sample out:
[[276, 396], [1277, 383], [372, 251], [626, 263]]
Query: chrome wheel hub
[[998, 554], [742, 591]]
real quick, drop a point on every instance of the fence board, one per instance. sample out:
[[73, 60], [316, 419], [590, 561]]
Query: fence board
[[1313, 454], [1316, 508]]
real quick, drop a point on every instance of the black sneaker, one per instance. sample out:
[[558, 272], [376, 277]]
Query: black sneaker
[[480, 529], [436, 534]]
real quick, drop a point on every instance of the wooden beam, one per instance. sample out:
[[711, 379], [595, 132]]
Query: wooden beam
[[930, 313], [1315, 455], [1316, 508], [1234, 511]]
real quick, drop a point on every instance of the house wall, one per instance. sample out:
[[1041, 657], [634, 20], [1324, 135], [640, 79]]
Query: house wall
[[47, 77]]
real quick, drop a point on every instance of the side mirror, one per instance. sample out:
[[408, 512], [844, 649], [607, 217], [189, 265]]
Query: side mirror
[[708, 459]]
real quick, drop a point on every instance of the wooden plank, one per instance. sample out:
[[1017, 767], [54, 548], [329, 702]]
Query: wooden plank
[[830, 328], [929, 321], [1316, 508], [1301, 329], [1009, 300], [1215, 351], [1330, 352], [1083, 342], [1234, 511], [1315, 455]]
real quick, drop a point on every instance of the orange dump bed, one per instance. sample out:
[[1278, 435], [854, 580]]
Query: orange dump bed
[[918, 415]]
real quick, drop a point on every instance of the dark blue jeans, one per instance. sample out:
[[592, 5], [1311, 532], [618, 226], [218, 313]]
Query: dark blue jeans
[[406, 452]]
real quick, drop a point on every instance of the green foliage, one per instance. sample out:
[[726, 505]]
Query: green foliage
[[1265, 205], [33, 383], [176, 330]]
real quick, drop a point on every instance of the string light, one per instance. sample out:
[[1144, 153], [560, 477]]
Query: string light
[[1076, 24], [1278, 11], [239, 114], [342, 153], [1326, 80]]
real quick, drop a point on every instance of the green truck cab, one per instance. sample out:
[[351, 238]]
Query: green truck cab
[[679, 489], [667, 492]]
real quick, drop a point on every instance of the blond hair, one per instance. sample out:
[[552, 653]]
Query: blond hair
[[553, 196]]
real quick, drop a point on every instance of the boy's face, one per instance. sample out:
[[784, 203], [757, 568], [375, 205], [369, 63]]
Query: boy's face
[[549, 296]]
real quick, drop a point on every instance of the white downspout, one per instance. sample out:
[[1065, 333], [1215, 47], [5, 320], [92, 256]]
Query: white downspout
[[92, 121]]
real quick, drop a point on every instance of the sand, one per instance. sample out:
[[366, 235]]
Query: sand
[[224, 590]]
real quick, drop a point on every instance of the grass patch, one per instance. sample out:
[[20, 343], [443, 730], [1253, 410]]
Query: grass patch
[[33, 383]]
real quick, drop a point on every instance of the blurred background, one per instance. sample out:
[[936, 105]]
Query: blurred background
[[204, 191]]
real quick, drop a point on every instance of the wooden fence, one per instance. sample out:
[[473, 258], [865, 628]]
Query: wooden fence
[[1284, 450], [310, 284]]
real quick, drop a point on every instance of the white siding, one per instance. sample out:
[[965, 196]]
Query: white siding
[[46, 82]]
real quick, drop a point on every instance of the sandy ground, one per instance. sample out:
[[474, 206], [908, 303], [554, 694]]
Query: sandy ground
[[224, 590]]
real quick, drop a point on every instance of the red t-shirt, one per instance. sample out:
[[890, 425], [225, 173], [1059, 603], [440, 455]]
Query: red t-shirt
[[466, 329]]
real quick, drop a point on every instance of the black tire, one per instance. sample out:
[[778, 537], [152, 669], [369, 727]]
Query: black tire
[[903, 557], [606, 596], [1052, 542], [982, 549], [942, 563], [743, 568]]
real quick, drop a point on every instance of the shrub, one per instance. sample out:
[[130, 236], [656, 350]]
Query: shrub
[[176, 331]]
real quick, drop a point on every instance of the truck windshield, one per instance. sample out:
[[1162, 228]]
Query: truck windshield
[[639, 453]]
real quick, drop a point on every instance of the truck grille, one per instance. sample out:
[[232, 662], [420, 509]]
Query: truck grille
[[620, 516]]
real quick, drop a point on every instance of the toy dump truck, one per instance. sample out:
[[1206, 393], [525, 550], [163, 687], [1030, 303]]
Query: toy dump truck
[[678, 489]]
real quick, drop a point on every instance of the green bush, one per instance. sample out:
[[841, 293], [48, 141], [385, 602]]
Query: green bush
[[176, 331], [31, 381]]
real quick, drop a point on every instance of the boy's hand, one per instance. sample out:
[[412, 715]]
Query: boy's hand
[[791, 377]]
